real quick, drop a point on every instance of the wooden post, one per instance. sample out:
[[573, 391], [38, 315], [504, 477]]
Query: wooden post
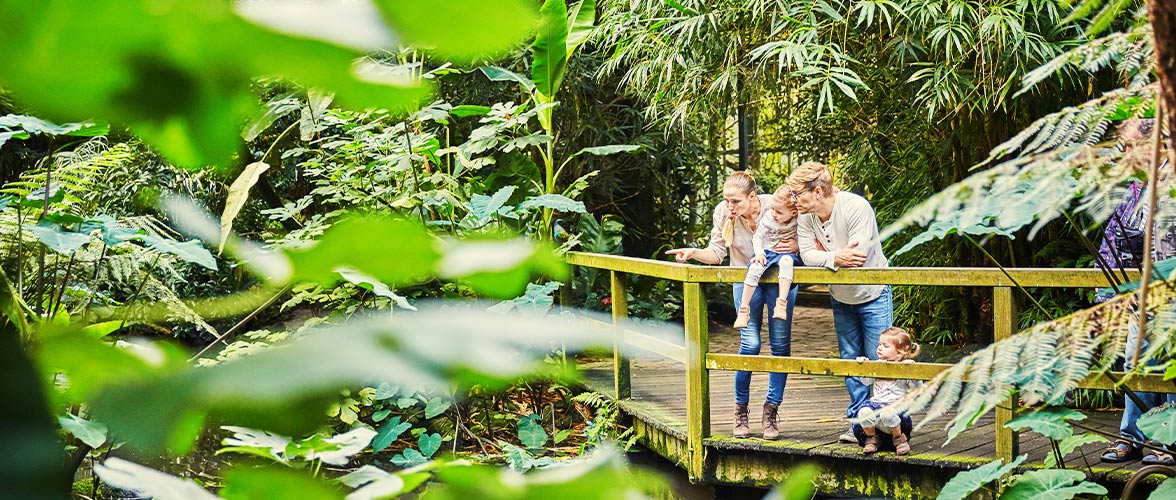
[[1004, 322], [697, 378], [620, 310]]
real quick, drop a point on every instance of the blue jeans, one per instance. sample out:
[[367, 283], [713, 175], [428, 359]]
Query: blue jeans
[[858, 327], [779, 340], [1132, 411]]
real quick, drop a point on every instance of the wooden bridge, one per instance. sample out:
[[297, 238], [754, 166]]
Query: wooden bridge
[[668, 389]]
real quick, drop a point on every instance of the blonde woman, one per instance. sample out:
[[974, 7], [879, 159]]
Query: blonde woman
[[735, 221]]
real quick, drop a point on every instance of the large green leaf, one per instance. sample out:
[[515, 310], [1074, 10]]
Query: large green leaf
[[1068, 445], [581, 16], [272, 483], [24, 126], [550, 51], [237, 196], [463, 30], [608, 150], [531, 433], [286, 389], [798, 485], [389, 250], [389, 433], [89, 432], [966, 483], [500, 268], [62, 242], [497, 74], [1049, 422], [1159, 424], [429, 443], [149, 482], [1165, 491], [1051, 484], [177, 73], [274, 109]]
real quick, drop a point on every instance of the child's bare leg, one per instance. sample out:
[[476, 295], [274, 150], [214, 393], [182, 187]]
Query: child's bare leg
[[744, 314], [780, 311], [901, 446], [868, 419]]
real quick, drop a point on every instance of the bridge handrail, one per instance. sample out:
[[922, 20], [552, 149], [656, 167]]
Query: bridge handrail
[[699, 361]]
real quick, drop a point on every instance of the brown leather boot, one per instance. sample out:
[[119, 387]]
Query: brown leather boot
[[771, 433], [742, 429]]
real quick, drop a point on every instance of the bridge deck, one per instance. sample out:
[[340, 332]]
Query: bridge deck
[[811, 416]]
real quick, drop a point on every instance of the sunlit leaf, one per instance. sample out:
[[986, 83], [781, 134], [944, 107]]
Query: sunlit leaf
[[237, 196], [557, 202], [149, 482], [609, 150], [497, 268], [469, 110], [798, 485], [603, 475], [190, 251], [497, 74]]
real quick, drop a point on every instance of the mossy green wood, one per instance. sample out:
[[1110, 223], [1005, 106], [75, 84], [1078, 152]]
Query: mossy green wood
[[925, 276], [697, 378], [1004, 325], [620, 310]]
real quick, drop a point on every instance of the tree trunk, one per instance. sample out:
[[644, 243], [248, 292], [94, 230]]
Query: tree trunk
[[1162, 14]]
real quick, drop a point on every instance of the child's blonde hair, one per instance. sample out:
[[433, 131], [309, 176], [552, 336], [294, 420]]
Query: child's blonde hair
[[783, 197], [904, 342]]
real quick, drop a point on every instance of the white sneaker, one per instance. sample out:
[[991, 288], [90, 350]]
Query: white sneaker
[[848, 437]]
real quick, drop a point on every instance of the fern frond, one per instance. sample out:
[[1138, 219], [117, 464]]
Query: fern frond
[[1047, 360], [1094, 55]]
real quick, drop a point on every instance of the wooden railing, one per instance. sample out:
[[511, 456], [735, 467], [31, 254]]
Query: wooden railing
[[695, 354]]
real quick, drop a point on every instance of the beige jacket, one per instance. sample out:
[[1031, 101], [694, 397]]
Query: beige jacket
[[740, 248]]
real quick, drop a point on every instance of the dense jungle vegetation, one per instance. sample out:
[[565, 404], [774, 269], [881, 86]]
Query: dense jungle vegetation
[[278, 249]]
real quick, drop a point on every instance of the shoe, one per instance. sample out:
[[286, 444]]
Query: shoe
[[743, 318], [871, 445], [771, 433], [781, 309], [847, 437], [1153, 457], [1120, 451], [901, 446], [742, 429]]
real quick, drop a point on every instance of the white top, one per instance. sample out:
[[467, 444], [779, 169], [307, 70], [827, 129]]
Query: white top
[[770, 233], [852, 220], [888, 390], [741, 249]]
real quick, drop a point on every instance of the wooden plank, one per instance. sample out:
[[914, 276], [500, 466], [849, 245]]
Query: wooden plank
[[1004, 325], [622, 386], [697, 377], [942, 276]]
